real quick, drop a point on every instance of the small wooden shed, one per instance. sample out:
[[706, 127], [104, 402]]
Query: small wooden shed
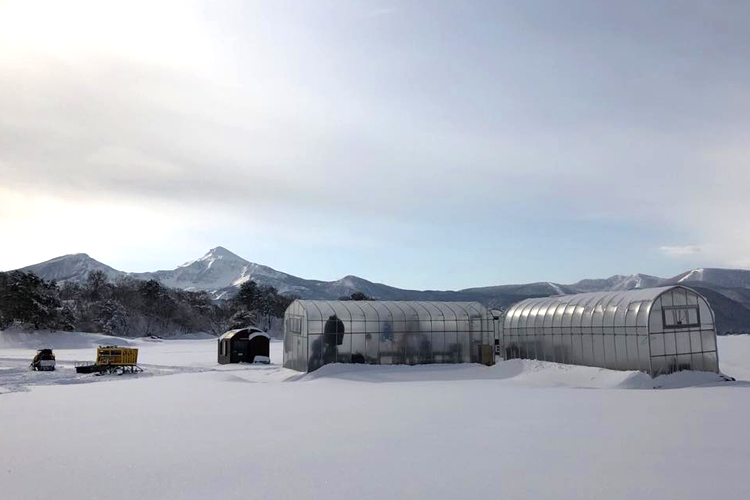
[[245, 345]]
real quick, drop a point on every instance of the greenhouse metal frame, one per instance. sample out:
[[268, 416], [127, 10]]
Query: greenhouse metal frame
[[655, 330], [319, 332]]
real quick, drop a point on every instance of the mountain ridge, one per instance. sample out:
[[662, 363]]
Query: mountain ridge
[[221, 272], [220, 268]]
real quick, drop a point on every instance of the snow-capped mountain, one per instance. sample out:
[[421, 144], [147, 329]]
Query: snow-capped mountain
[[219, 269], [617, 282], [74, 268], [731, 278], [221, 273]]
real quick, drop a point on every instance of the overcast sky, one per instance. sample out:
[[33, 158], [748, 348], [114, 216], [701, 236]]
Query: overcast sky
[[423, 144]]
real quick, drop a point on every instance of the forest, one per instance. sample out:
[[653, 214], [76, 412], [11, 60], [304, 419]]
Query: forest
[[133, 308]]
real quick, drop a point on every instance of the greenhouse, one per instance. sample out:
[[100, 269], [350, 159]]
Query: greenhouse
[[387, 333], [655, 330]]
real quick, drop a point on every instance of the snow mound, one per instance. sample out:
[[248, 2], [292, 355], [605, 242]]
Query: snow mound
[[529, 373], [683, 379]]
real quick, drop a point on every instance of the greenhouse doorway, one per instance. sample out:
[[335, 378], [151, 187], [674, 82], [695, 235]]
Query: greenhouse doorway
[[480, 341]]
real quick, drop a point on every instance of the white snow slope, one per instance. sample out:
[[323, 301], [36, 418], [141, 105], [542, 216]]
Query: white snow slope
[[516, 430]]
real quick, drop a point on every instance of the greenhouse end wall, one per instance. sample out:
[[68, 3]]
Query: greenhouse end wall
[[384, 332], [655, 330]]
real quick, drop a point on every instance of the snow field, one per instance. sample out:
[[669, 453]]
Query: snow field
[[521, 429]]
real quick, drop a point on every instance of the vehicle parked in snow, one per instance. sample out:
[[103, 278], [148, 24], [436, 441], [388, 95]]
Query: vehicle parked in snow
[[112, 358], [44, 361]]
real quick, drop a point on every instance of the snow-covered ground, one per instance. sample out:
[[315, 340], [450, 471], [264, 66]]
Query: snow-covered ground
[[521, 429]]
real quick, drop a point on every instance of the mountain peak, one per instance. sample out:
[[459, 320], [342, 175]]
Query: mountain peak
[[73, 267], [73, 257], [79, 256], [221, 253], [351, 277]]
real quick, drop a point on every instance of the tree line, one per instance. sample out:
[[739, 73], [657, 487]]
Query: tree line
[[133, 308]]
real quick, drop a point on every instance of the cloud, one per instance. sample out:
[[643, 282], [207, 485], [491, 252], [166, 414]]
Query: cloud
[[680, 251], [319, 117]]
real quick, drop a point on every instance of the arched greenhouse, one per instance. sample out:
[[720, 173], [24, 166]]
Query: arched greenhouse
[[318, 332], [655, 330]]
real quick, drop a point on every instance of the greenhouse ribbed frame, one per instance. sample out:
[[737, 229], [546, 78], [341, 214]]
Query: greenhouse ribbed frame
[[318, 332], [655, 330]]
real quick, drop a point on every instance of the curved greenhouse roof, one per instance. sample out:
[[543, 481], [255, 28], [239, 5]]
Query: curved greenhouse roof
[[371, 310], [657, 330]]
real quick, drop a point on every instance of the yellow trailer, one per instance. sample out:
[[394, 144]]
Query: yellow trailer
[[112, 355], [112, 358]]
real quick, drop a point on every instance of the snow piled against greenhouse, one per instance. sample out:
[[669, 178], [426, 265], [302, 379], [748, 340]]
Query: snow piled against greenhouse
[[189, 429]]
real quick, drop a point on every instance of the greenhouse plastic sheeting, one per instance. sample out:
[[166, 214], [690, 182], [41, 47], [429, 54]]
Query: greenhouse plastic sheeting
[[319, 332], [655, 330]]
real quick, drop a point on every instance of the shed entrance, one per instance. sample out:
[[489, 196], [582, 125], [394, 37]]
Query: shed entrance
[[245, 345]]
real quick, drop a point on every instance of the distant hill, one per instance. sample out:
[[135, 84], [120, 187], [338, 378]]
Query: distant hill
[[728, 278], [75, 268], [731, 315], [221, 272]]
